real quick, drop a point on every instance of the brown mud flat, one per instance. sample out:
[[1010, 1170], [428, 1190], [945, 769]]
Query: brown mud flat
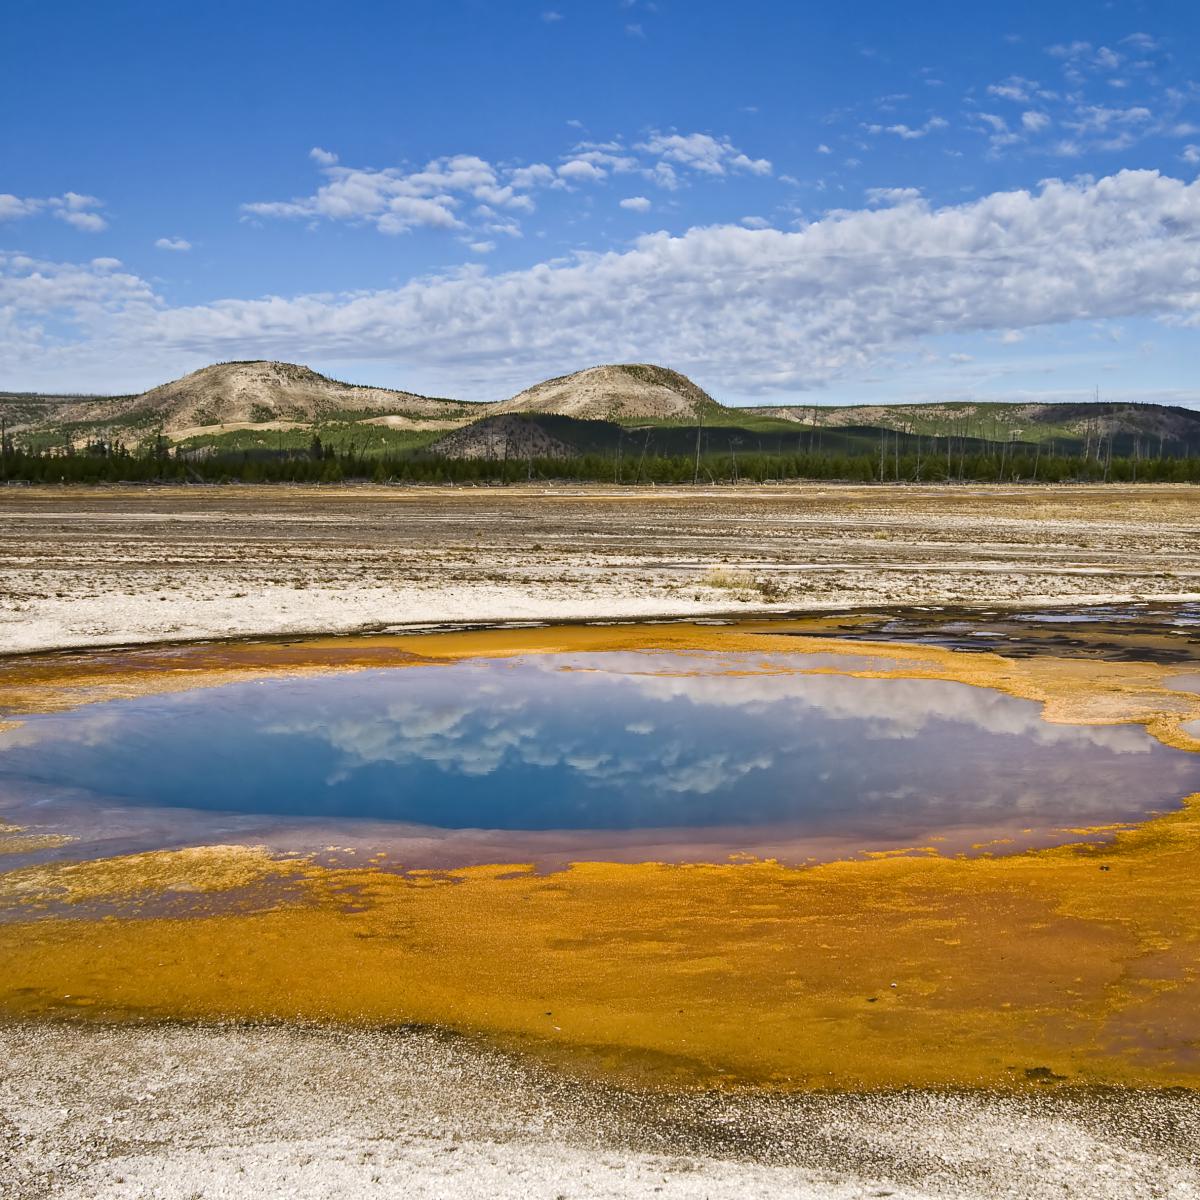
[[137, 565], [1064, 967]]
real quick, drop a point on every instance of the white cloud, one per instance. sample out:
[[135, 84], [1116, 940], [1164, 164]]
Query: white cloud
[[173, 243], [397, 201], [756, 310], [755, 223], [578, 170], [932, 124], [12, 207], [1015, 87], [1034, 121], [611, 156], [88, 299], [636, 203], [550, 16], [1069, 49], [406, 212], [1191, 154], [534, 175], [909, 132], [823, 149], [702, 152], [74, 202], [481, 247], [1097, 118], [87, 221], [71, 207], [893, 195], [635, 30]]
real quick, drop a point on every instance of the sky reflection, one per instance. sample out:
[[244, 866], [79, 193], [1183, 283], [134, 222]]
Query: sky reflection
[[605, 744]]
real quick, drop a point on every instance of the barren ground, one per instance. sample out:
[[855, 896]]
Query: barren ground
[[219, 1110], [134, 564], [191, 1112]]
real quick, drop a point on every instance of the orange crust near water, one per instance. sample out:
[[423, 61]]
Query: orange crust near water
[[1081, 961]]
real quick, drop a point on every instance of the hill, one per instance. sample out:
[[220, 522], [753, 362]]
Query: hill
[[231, 395], [620, 392], [277, 407]]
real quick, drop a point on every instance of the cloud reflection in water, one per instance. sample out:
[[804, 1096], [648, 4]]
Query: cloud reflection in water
[[609, 742]]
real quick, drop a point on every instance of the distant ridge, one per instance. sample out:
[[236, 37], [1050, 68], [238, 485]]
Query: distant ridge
[[259, 402], [998, 421]]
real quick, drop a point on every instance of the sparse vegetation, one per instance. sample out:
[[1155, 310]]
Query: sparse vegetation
[[734, 581], [634, 424]]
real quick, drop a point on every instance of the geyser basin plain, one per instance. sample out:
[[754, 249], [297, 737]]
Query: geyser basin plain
[[744, 854]]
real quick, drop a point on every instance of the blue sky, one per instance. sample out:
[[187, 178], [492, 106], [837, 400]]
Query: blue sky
[[790, 202]]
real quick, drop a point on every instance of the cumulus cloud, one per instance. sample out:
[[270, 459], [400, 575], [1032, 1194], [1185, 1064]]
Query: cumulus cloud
[[578, 170], [75, 209], [608, 156], [1092, 74], [394, 200], [636, 203], [759, 310], [702, 152], [87, 221], [173, 243], [12, 207], [397, 200], [36, 286], [534, 175]]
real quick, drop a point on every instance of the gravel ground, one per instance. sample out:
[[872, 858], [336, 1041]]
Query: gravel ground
[[109, 566], [96, 1112]]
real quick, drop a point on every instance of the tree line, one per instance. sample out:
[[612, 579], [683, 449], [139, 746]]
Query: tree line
[[1000, 462]]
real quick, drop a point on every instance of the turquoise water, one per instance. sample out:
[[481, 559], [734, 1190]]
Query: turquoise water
[[613, 754]]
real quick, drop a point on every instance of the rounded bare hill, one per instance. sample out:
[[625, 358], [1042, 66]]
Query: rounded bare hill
[[507, 436], [620, 392], [256, 393]]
